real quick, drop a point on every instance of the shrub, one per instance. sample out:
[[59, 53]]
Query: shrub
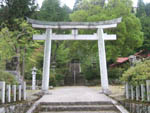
[[91, 73], [115, 73], [138, 74], [7, 77]]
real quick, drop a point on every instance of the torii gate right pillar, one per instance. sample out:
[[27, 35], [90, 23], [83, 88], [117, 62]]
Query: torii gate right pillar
[[102, 61]]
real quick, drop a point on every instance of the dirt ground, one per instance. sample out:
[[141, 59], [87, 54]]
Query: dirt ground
[[117, 91]]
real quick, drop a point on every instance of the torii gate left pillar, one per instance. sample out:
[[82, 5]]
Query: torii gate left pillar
[[47, 60], [100, 36]]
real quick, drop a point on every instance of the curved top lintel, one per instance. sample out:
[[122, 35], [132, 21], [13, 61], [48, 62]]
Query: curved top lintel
[[72, 25]]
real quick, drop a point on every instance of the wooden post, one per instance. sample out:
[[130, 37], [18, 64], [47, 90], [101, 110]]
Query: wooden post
[[127, 91], [19, 92], [47, 57], [143, 92], [8, 93], [103, 64], [24, 91], [137, 93], [2, 86], [148, 89], [14, 93], [132, 92]]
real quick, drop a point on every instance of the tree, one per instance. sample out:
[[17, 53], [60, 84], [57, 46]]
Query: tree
[[12, 9], [147, 9], [143, 13], [65, 13], [50, 11], [14, 43], [128, 31], [141, 9], [145, 28], [76, 4]]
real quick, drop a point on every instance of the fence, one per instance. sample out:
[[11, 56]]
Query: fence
[[138, 93], [12, 93]]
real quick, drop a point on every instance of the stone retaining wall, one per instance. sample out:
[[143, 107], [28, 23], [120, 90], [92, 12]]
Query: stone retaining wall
[[136, 107], [16, 108]]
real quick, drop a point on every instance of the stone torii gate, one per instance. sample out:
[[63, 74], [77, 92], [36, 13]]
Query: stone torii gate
[[100, 36]]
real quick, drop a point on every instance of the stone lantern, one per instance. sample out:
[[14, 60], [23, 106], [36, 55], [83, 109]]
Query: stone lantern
[[132, 60], [53, 66]]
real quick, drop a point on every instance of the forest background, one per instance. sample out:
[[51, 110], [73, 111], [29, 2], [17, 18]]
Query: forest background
[[133, 35]]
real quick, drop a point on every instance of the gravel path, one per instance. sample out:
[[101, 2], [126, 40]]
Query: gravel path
[[74, 94]]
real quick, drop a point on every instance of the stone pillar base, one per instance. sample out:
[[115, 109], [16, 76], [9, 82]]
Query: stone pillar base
[[105, 91], [46, 92]]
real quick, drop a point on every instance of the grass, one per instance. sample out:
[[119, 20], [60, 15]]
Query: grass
[[117, 91]]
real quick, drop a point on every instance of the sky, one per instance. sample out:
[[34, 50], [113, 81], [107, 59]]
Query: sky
[[70, 3]]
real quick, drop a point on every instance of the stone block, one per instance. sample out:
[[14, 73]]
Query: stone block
[[14, 92], [19, 92], [127, 91], [132, 92], [8, 93], [137, 93], [2, 87], [148, 89], [24, 91], [143, 92]]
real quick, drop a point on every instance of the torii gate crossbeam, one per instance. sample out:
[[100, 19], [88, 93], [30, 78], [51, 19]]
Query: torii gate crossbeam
[[100, 36]]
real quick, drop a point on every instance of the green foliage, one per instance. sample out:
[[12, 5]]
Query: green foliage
[[77, 2], [146, 25], [128, 31], [91, 73], [7, 77], [52, 11], [90, 66], [6, 44], [143, 13], [62, 54], [16, 35], [13, 9], [138, 74], [141, 9], [115, 73], [17, 43], [147, 7]]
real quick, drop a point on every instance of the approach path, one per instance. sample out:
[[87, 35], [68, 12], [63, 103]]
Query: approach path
[[79, 99], [74, 94]]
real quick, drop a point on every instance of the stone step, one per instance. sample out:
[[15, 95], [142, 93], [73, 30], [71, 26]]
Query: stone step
[[77, 103], [79, 108]]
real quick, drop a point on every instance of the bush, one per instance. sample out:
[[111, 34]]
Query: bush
[[138, 74], [56, 76], [115, 73], [7, 77], [91, 73]]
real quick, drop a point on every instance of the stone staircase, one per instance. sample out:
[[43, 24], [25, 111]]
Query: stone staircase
[[77, 107]]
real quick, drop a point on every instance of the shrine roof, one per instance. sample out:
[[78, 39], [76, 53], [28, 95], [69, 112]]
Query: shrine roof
[[122, 59]]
